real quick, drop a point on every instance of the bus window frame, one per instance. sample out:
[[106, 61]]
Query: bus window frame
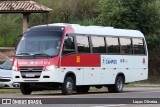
[[89, 43], [144, 46], [71, 53], [92, 43], [130, 38], [107, 45], [74, 35]]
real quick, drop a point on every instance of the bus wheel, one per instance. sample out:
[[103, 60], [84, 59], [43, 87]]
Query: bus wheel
[[82, 89], [25, 89], [118, 86], [68, 86]]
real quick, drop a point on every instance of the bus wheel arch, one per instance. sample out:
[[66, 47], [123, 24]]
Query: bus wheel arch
[[118, 85], [70, 74], [69, 83], [122, 75]]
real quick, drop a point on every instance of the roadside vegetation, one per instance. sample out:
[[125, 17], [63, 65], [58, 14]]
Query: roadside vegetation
[[9, 91], [143, 15]]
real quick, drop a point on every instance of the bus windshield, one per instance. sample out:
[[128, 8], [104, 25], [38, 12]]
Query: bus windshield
[[40, 43]]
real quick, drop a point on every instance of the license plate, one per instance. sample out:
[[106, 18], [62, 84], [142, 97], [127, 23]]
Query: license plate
[[30, 75]]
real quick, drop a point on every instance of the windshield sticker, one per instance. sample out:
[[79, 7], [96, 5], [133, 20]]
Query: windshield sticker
[[34, 62]]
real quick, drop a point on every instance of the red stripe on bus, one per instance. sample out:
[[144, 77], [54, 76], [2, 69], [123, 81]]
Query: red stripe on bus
[[81, 60]]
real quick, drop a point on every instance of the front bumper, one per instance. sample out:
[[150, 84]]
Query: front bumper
[[7, 82], [46, 76]]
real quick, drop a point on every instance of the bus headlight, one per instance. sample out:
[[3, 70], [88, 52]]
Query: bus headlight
[[51, 67], [14, 68]]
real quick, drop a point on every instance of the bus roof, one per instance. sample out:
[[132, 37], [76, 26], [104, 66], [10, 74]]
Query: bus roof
[[99, 30]]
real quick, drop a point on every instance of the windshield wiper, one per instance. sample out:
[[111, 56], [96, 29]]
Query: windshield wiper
[[41, 55], [33, 55], [24, 54]]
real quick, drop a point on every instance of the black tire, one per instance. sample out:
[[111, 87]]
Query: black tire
[[82, 89], [118, 86], [68, 86], [25, 89]]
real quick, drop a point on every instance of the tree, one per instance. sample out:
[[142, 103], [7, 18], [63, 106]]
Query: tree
[[66, 11], [10, 28], [131, 14]]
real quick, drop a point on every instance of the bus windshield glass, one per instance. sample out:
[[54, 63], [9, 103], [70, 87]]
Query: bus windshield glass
[[40, 43]]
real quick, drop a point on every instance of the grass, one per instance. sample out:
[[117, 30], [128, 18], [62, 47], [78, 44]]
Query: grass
[[15, 91], [150, 80], [9, 91]]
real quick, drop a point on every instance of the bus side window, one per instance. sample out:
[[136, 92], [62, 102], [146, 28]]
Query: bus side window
[[68, 46], [138, 46], [83, 44], [126, 46], [113, 45], [98, 44]]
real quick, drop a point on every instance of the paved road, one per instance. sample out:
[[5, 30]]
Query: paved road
[[129, 93]]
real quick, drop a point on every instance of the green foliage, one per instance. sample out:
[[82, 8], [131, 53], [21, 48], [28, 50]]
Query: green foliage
[[131, 14], [10, 29], [153, 43], [67, 11]]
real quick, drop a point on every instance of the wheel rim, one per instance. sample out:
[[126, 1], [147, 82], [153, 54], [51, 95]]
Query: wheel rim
[[69, 86], [120, 84]]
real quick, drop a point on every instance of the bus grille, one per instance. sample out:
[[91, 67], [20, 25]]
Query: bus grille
[[31, 72]]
